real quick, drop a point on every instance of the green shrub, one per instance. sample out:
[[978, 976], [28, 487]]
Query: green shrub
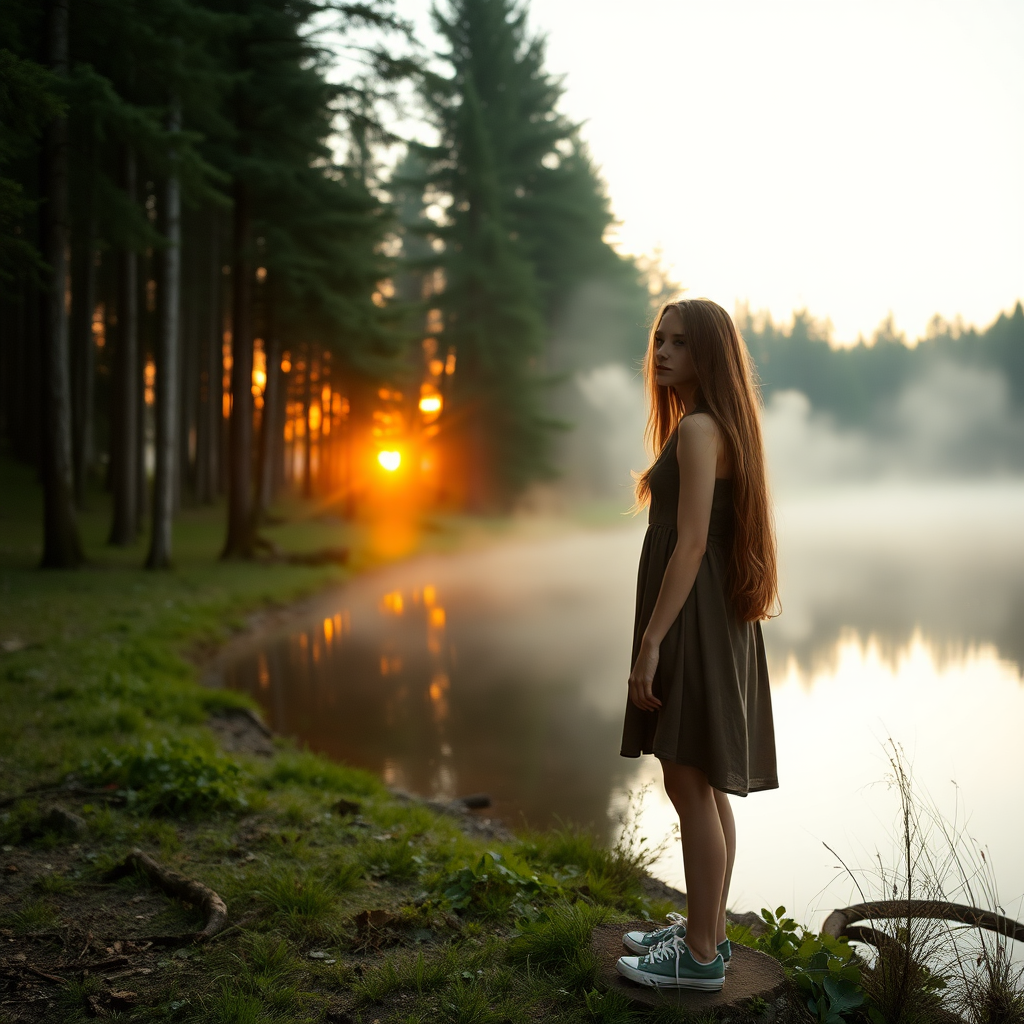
[[175, 777], [495, 886]]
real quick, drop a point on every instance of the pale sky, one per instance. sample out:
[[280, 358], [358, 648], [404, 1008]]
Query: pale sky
[[848, 157]]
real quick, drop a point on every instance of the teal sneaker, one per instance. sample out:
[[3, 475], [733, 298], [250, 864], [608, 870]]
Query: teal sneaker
[[671, 965], [644, 942]]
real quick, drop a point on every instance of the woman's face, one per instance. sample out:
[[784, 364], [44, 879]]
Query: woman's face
[[671, 356]]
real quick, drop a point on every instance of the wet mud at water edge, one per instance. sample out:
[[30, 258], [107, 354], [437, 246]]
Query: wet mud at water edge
[[504, 671]]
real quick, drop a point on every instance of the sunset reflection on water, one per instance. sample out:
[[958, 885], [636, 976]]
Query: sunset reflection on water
[[503, 671]]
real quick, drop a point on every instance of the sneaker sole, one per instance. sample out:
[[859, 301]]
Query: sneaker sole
[[637, 947], [701, 984]]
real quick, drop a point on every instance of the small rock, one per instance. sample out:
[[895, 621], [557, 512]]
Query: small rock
[[476, 801], [345, 807]]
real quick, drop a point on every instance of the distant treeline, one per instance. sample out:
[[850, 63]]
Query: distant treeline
[[853, 384]]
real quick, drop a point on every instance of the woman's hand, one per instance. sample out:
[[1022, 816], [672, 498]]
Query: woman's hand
[[641, 679]]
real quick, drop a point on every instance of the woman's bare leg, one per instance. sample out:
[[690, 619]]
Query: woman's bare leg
[[705, 855], [729, 831]]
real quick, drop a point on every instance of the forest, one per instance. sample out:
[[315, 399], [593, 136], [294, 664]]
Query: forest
[[225, 275]]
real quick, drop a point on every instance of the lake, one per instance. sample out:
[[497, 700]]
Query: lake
[[503, 671]]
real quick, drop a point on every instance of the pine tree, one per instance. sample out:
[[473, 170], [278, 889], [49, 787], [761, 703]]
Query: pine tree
[[524, 229]]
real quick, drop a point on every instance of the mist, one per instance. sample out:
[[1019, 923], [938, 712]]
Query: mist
[[954, 421]]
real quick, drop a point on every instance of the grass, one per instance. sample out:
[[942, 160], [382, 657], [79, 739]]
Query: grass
[[97, 678]]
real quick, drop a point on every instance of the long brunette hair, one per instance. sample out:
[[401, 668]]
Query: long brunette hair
[[729, 389]]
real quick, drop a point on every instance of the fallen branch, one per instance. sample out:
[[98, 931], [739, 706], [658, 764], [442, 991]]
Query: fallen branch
[[184, 888], [42, 974], [839, 922]]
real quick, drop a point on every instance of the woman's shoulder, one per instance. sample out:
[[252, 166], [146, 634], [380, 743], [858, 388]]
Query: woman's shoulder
[[698, 425]]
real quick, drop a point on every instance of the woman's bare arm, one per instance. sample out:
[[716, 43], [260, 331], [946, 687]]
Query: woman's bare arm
[[697, 451]]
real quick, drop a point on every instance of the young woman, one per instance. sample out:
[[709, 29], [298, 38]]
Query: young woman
[[698, 692]]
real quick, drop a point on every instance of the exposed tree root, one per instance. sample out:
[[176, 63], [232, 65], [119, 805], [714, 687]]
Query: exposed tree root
[[174, 883], [840, 922]]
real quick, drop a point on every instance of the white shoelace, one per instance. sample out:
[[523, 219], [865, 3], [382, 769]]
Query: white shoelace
[[675, 920], [664, 949], [674, 945]]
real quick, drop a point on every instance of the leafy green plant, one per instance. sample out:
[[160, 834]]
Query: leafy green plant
[[497, 885], [175, 777], [825, 969], [832, 987]]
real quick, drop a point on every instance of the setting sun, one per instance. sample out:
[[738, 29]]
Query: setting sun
[[390, 460]]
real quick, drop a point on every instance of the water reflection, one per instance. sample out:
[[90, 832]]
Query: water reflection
[[504, 671]]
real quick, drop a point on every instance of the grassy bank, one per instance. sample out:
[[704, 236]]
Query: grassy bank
[[344, 902]]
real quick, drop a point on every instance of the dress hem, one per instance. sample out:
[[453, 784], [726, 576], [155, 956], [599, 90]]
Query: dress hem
[[755, 785]]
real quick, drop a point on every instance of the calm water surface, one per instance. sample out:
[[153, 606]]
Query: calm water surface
[[504, 671]]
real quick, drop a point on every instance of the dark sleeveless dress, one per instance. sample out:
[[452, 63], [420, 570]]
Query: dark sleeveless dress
[[712, 676]]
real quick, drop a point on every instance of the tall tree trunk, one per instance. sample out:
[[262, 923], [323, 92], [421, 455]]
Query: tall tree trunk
[[124, 418], [269, 425], [141, 409], [307, 446], [84, 362], [279, 397], [62, 548], [209, 415], [239, 542], [191, 311], [167, 368]]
